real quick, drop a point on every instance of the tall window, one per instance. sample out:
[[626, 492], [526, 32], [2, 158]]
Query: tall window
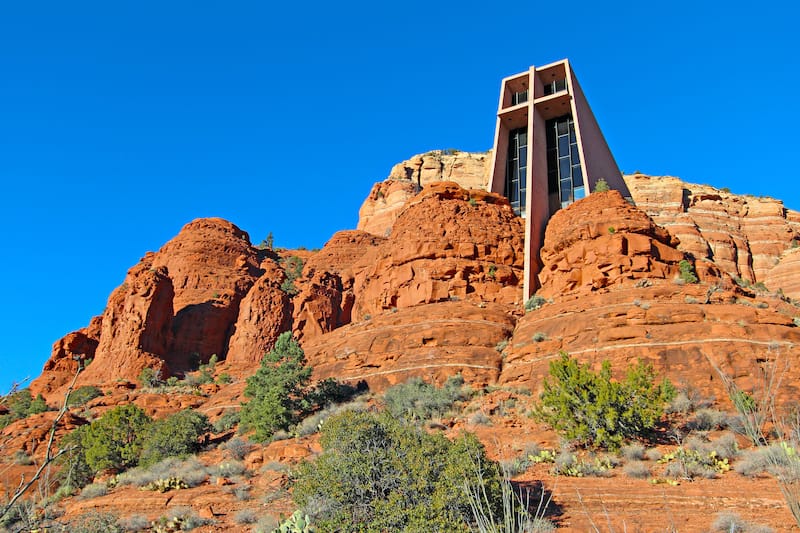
[[555, 86], [564, 173], [516, 169], [519, 97]]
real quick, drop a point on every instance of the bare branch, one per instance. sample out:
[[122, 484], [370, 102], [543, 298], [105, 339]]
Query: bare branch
[[49, 456]]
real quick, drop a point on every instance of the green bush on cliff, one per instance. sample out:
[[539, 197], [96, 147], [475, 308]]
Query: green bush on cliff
[[378, 474], [82, 395], [687, 272], [177, 435], [21, 404], [593, 410], [417, 400], [275, 392], [278, 394]]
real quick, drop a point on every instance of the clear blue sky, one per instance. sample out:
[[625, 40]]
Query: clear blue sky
[[122, 121]]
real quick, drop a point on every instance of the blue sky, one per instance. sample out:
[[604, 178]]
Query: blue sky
[[122, 121]]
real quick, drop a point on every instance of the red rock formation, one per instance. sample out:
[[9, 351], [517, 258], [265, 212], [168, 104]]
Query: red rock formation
[[136, 327], [212, 266], [743, 235], [785, 275], [447, 243], [685, 330], [386, 200], [603, 240], [383, 205], [325, 299], [76, 348], [264, 313], [432, 341]]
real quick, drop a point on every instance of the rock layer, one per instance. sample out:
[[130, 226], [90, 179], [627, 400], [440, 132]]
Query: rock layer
[[433, 341], [743, 235]]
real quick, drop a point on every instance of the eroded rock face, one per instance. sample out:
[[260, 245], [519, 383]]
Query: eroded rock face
[[433, 341], [136, 327], [176, 308], [386, 200], [73, 350], [212, 266], [603, 240], [325, 298], [785, 275], [448, 243], [743, 235], [264, 313]]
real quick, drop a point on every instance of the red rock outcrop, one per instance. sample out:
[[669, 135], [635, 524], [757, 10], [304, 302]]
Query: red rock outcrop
[[447, 243], [743, 235], [432, 341], [264, 313], [74, 349], [383, 205], [212, 266], [325, 299], [785, 275], [136, 327], [386, 200], [603, 240], [686, 331]]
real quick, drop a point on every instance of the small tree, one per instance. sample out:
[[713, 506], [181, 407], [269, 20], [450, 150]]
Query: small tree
[[275, 392], [115, 440], [601, 185], [687, 272], [592, 409]]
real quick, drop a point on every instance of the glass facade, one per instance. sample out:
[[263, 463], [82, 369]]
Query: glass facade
[[516, 169], [564, 173]]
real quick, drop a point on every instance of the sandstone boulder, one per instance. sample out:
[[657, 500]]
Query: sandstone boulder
[[448, 243]]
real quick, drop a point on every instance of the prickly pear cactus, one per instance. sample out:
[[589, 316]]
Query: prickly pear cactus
[[297, 523]]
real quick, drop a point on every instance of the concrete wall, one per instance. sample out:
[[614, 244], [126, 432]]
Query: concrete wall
[[596, 158]]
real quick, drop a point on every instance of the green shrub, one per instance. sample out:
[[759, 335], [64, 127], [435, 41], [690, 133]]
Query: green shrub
[[593, 410], [534, 303], [190, 471], [601, 185], [275, 392], [94, 490], [95, 522], [21, 404], [378, 474], [686, 272], [150, 377], [228, 420], [293, 267], [82, 395], [417, 400], [115, 440], [177, 435]]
